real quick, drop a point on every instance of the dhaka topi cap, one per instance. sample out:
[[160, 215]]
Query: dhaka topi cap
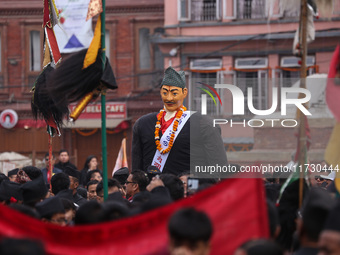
[[72, 172], [12, 172], [34, 190], [173, 78], [10, 189], [50, 206], [121, 175]]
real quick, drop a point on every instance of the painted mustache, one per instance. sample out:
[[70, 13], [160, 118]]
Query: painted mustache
[[167, 102]]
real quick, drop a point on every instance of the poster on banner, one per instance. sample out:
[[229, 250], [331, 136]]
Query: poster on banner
[[73, 33]]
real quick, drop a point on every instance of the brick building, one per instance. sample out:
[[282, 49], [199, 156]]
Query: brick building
[[137, 64]]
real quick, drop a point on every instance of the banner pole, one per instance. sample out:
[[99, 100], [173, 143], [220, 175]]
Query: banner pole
[[103, 108]]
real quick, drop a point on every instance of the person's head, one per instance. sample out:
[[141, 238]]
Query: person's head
[[313, 215], [121, 175], [46, 159], [174, 185], [70, 210], [32, 172], [10, 192], [135, 183], [91, 163], [12, 174], [329, 241], [63, 156], [273, 220], [10, 246], [259, 247], [94, 175], [3, 177], [190, 229], [184, 178], [89, 213], [59, 182], [34, 191], [173, 90], [113, 186], [91, 187], [74, 177], [52, 210], [327, 179]]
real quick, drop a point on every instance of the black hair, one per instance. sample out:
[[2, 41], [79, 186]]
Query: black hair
[[273, 217], [63, 150], [87, 161], [48, 154], [140, 178], [59, 181], [110, 183], [3, 177], [261, 247], [32, 172], [68, 204], [91, 183], [90, 173], [174, 185], [188, 226], [89, 213], [27, 210]]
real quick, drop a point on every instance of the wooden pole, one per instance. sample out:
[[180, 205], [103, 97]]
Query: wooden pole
[[301, 116]]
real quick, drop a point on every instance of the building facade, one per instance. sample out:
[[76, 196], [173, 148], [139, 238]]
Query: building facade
[[248, 43], [137, 65]]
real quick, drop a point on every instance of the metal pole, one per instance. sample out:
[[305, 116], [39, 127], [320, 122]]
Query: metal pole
[[103, 108]]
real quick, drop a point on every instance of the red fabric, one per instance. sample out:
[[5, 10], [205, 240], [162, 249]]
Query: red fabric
[[236, 207], [165, 124], [333, 90]]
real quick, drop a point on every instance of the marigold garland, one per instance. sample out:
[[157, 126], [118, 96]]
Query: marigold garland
[[174, 129]]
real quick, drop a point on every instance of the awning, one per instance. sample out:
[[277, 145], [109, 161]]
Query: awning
[[92, 123]]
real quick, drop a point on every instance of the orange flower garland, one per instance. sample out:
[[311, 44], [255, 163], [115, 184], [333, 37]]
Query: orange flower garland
[[174, 129]]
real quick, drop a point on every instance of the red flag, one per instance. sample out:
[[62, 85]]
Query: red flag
[[332, 89], [235, 206]]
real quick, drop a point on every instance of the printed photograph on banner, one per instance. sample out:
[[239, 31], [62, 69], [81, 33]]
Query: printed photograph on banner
[[73, 33]]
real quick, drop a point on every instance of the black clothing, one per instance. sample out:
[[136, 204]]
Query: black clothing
[[201, 145], [306, 251], [68, 194], [63, 166]]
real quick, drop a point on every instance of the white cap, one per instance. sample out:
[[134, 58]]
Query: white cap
[[331, 176]]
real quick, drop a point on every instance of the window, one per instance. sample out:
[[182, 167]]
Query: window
[[199, 10], [251, 9], [149, 58], [290, 69], [35, 51], [207, 71], [252, 73], [34, 55], [107, 43], [144, 49]]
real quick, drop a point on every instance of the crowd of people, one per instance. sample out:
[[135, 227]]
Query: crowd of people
[[163, 149], [76, 197]]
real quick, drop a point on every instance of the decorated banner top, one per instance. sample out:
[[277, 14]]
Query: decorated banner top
[[74, 33]]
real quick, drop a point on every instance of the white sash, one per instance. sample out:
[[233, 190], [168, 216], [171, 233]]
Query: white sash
[[159, 159]]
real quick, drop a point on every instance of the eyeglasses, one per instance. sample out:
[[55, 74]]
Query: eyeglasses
[[129, 182], [319, 178]]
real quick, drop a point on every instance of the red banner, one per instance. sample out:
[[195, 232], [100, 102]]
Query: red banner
[[236, 207]]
